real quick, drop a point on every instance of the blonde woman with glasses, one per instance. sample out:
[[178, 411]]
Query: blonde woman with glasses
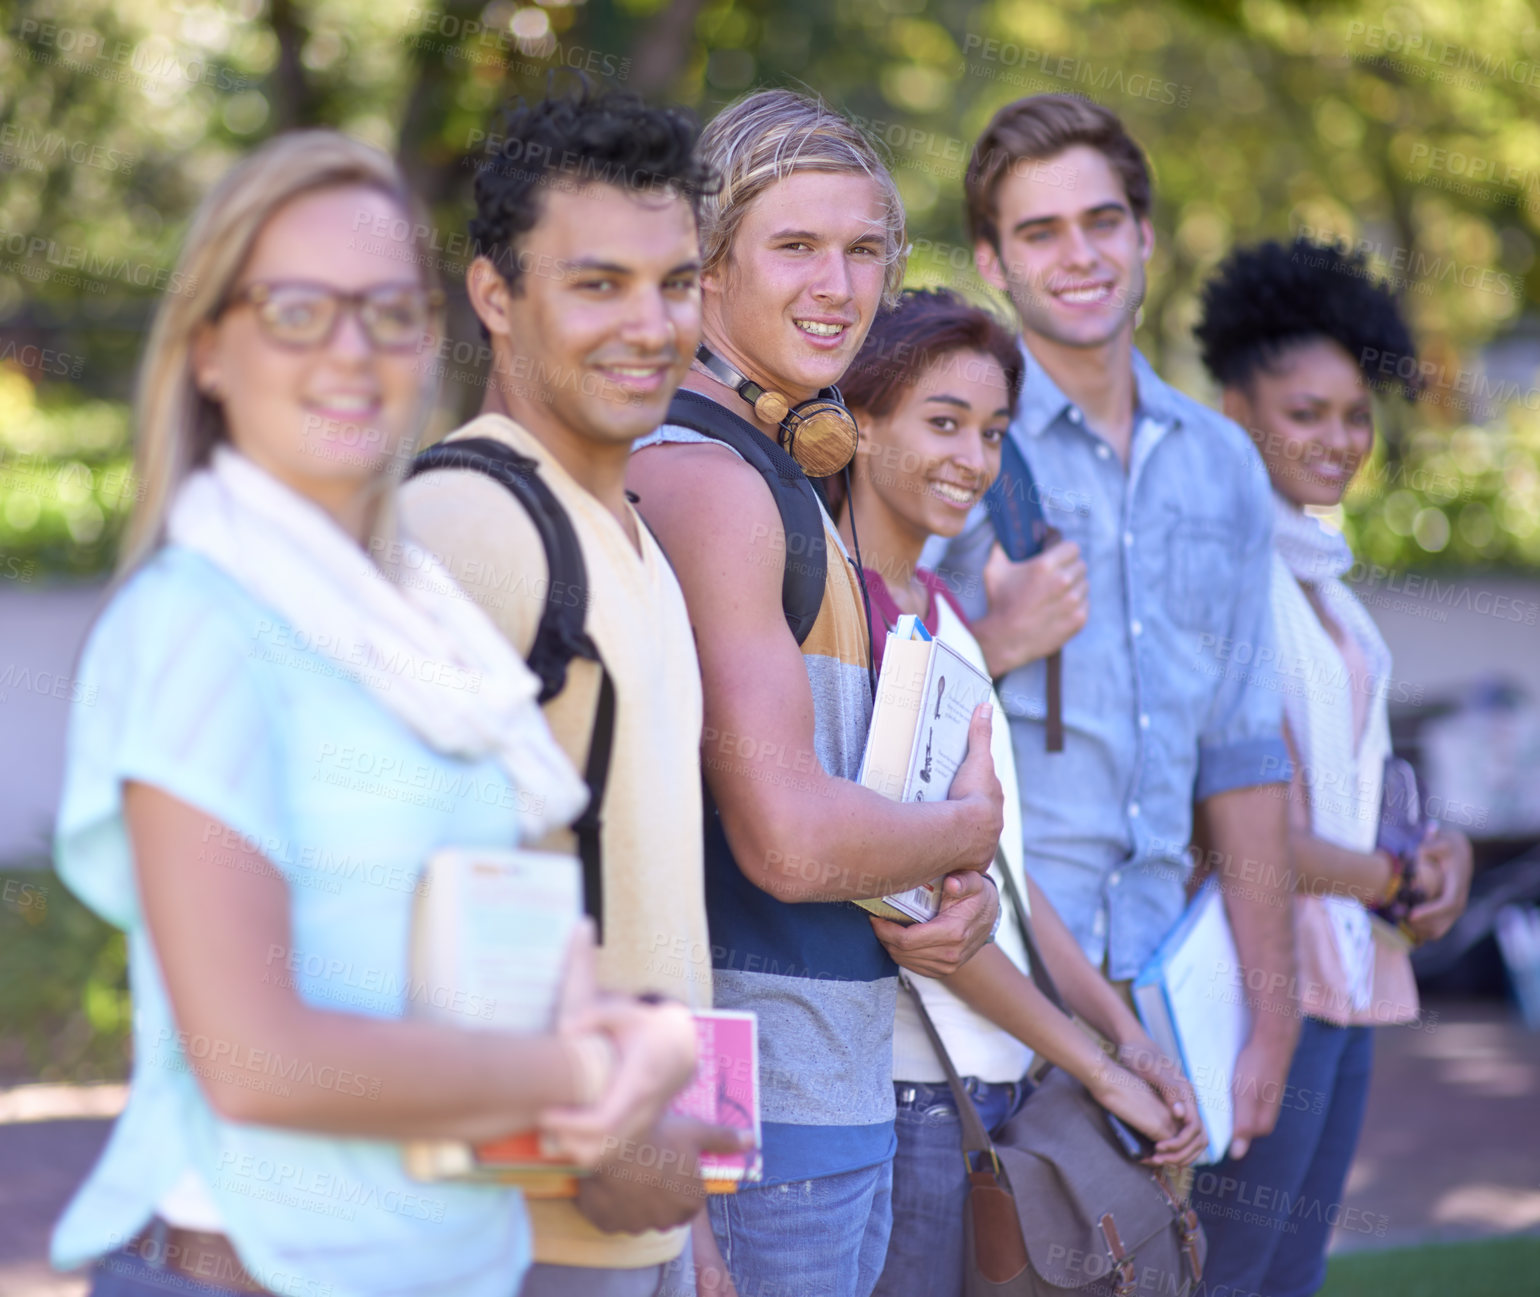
[[291, 707]]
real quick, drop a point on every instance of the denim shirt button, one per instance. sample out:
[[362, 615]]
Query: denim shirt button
[[1136, 626], [1133, 810], [1144, 720], [1102, 452]]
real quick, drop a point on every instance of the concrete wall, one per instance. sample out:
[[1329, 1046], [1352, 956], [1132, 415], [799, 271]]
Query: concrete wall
[[1444, 634]]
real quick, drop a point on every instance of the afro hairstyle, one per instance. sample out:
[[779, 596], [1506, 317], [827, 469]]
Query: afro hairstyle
[[1264, 299]]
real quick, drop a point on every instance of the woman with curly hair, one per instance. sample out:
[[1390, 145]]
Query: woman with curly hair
[[1296, 336]]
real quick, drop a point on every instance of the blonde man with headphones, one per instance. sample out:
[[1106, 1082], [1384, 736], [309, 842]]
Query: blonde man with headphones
[[801, 243]]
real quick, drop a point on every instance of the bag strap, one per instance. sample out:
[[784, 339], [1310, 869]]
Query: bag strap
[[975, 1137], [1037, 966], [1012, 502], [1053, 679], [1021, 528], [1187, 1220], [802, 582], [561, 634]]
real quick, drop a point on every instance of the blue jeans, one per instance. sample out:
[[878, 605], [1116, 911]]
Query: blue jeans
[[807, 1238], [1269, 1215], [930, 1185]]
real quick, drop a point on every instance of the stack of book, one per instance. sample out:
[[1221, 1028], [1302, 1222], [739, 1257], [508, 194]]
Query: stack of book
[[489, 944]]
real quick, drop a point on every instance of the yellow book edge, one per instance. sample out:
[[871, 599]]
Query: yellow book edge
[[890, 741]]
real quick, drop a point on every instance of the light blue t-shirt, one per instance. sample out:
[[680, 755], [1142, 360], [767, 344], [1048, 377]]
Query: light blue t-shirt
[[192, 686]]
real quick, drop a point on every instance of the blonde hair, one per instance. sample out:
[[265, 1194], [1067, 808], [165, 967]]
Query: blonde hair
[[768, 135], [178, 426]]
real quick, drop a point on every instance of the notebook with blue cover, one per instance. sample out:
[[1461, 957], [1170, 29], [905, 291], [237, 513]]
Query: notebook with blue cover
[[1192, 999]]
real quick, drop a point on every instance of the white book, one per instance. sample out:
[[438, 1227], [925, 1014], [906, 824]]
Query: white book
[[926, 696], [1192, 999], [490, 936], [489, 945]]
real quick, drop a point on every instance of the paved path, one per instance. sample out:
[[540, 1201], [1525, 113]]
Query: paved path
[[1451, 1149], [40, 1164], [1451, 1146]]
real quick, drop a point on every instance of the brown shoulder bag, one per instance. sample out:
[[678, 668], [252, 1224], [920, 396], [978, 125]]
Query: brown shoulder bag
[[1055, 1205]]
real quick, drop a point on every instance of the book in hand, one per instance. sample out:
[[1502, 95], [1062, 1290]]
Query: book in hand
[[1191, 997], [926, 696], [489, 946], [723, 1092]]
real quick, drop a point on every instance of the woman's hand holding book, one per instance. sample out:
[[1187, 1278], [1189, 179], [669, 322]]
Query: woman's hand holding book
[[629, 1058]]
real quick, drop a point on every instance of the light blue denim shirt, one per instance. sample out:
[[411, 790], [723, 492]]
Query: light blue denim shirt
[[1156, 715], [190, 685]]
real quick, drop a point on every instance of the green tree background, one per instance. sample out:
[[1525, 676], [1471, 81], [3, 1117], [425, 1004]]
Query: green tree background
[[1412, 130]]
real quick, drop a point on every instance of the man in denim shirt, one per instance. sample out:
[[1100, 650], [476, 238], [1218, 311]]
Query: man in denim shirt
[[1164, 508]]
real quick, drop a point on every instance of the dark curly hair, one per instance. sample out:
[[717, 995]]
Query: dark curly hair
[[1264, 299], [578, 139]]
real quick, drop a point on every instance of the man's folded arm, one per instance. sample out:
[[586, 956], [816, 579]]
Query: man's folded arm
[[796, 831]]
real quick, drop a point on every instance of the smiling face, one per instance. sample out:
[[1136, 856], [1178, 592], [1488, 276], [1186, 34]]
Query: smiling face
[[927, 463], [1312, 418], [792, 302], [1072, 253], [593, 339], [330, 418]]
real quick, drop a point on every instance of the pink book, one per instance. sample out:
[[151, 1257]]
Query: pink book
[[725, 1091]]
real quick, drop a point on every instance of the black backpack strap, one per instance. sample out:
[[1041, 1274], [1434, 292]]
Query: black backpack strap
[[802, 584], [601, 743], [561, 634]]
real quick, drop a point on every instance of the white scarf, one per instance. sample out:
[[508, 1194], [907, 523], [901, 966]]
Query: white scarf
[[422, 647], [1345, 777]]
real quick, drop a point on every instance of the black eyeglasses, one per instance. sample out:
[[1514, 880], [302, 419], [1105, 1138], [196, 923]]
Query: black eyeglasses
[[301, 316]]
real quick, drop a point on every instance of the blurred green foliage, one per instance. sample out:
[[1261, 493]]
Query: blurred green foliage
[[1412, 130], [64, 1003]]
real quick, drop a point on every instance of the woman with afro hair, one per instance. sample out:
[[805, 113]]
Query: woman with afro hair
[[1299, 337]]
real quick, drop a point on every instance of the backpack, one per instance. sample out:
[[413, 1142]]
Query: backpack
[[561, 634], [802, 585]]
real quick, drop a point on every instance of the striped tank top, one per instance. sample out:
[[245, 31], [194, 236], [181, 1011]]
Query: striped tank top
[[822, 985]]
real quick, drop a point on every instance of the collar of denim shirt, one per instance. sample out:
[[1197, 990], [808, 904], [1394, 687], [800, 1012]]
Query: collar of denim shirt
[[1041, 402]]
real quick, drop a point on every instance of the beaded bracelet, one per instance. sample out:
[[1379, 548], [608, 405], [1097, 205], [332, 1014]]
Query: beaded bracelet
[[1401, 895]]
